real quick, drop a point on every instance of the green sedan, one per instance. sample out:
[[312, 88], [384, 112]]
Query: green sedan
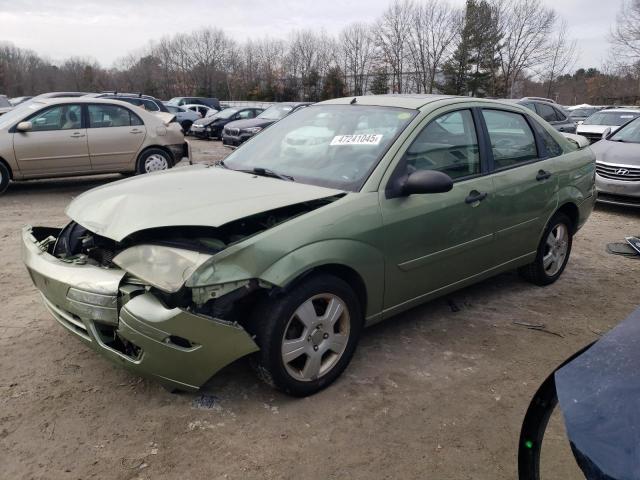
[[335, 218]]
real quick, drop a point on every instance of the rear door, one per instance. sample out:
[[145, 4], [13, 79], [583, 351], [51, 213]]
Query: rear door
[[434, 241], [115, 135], [525, 180], [56, 144]]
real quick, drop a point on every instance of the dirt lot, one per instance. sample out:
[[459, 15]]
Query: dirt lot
[[438, 392]]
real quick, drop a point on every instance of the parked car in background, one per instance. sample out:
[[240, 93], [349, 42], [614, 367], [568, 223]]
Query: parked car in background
[[579, 115], [5, 105], [239, 131], [334, 218], [185, 117], [608, 119], [203, 110], [147, 102], [59, 95], [15, 101], [618, 166], [211, 127], [550, 111], [77, 136], [209, 102]]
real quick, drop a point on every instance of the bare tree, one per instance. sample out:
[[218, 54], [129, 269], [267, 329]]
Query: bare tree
[[526, 26], [626, 33], [562, 57], [433, 29], [357, 48], [393, 31]]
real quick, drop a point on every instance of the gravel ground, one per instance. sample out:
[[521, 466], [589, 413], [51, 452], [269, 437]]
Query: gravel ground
[[437, 392]]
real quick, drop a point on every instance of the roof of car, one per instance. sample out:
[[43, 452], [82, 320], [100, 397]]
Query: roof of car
[[414, 101], [63, 100]]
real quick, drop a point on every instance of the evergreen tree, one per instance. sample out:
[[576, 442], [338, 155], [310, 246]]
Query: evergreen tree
[[334, 86], [471, 70], [380, 82]]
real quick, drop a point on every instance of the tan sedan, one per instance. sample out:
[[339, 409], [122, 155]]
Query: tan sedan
[[79, 136]]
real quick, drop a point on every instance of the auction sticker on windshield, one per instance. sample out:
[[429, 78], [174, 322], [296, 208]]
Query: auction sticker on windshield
[[366, 139]]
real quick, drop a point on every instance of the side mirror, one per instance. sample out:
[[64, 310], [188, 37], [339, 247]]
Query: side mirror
[[606, 133], [24, 126], [577, 141], [427, 181]]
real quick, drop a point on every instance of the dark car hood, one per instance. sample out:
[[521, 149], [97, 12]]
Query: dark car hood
[[599, 394], [250, 123], [619, 153]]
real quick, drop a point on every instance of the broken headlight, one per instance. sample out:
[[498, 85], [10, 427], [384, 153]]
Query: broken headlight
[[166, 268]]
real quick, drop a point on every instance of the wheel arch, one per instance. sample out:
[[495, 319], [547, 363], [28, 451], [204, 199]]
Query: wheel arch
[[571, 210], [6, 164], [343, 272], [159, 147]]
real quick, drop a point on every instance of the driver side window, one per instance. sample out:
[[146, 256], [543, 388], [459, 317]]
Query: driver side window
[[447, 144]]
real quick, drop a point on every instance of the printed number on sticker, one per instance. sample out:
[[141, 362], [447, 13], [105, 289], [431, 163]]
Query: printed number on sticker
[[366, 139]]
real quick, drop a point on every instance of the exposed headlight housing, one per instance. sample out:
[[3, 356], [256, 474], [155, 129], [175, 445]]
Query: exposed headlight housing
[[253, 130], [166, 268]]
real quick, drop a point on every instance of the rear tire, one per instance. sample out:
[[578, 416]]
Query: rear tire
[[153, 160], [307, 336], [553, 252], [186, 125], [5, 178]]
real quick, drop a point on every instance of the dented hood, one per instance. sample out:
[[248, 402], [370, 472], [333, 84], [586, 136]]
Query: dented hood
[[186, 196]]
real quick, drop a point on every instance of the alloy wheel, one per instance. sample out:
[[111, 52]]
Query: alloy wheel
[[316, 337], [556, 248]]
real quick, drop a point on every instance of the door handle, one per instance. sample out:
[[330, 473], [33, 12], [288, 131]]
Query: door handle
[[135, 130], [77, 135], [475, 196], [542, 175]]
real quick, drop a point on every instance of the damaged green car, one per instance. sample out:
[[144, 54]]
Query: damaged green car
[[339, 216]]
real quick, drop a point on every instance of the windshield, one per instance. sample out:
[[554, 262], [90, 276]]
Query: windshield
[[614, 119], [584, 112], [334, 146], [174, 101], [226, 113], [276, 112], [21, 111], [629, 133]]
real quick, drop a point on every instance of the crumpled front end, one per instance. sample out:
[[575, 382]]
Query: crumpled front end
[[127, 321]]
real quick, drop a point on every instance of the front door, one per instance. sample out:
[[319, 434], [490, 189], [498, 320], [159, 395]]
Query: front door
[[115, 136], [435, 241], [525, 180], [55, 145]]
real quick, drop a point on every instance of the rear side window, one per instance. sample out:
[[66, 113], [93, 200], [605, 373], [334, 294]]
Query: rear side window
[[512, 141], [552, 147], [547, 112], [559, 115], [447, 144], [105, 116]]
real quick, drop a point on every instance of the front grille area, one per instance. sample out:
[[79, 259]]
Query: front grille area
[[592, 137], [233, 131], [619, 199], [618, 172]]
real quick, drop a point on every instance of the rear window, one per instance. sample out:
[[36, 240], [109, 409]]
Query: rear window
[[611, 118]]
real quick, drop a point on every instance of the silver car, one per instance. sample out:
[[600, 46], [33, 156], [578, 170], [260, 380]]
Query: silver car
[[618, 166]]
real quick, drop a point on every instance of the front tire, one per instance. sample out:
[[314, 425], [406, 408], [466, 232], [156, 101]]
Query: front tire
[[307, 336], [553, 252], [154, 160], [5, 177]]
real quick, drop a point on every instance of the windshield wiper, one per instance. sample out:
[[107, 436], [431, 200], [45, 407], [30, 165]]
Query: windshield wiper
[[265, 172]]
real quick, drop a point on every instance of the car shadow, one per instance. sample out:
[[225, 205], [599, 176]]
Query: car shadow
[[627, 212], [437, 319]]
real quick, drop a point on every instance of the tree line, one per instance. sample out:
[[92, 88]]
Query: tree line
[[487, 48]]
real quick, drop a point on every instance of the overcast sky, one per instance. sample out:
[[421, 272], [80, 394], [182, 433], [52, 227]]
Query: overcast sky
[[108, 30]]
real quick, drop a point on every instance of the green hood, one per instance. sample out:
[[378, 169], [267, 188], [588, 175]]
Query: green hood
[[188, 196]]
